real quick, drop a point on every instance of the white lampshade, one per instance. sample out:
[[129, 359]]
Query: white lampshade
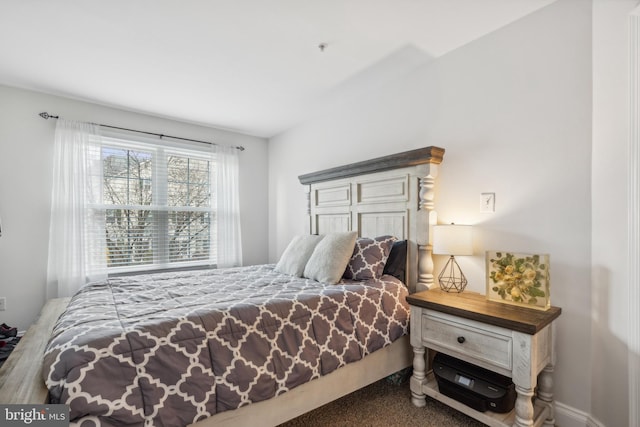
[[452, 240]]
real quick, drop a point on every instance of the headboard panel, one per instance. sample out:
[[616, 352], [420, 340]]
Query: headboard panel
[[388, 195]]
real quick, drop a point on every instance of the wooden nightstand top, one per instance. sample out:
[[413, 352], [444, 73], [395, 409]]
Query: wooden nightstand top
[[474, 306]]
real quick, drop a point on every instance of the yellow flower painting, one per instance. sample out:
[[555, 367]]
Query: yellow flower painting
[[520, 279]]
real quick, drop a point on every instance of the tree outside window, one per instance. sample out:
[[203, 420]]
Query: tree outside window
[[157, 207]]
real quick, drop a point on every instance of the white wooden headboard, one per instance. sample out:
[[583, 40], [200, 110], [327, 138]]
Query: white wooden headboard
[[387, 195]]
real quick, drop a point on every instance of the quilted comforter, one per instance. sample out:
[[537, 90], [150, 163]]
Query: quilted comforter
[[170, 349]]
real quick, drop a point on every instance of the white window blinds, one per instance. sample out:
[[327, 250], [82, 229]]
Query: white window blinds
[[156, 207]]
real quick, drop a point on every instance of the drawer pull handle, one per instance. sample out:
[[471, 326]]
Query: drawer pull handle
[[461, 340]]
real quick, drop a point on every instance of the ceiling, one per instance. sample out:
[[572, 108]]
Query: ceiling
[[252, 66]]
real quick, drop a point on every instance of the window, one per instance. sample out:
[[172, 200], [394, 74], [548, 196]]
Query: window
[[121, 204], [156, 207]]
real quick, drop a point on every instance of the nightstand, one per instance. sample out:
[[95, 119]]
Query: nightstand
[[510, 340]]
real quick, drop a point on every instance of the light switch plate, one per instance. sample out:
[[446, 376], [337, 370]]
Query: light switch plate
[[487, 202]]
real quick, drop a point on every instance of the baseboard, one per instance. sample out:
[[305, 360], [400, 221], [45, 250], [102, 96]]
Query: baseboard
[[567, 416]]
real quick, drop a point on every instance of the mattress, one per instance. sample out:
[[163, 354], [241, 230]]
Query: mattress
[[170, 349]]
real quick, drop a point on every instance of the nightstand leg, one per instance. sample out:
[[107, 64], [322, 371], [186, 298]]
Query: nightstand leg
[[545, 393], [418, 398], [524, 407]]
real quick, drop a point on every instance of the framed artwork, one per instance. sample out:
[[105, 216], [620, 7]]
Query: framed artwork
[[519, 279]]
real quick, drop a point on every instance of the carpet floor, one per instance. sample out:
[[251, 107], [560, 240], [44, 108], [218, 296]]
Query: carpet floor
[[382, 404]]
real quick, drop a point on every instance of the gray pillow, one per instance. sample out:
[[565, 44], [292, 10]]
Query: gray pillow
[[295, 256], [330, 257]]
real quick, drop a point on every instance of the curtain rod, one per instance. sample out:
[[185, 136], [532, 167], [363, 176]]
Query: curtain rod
[[46, 116]]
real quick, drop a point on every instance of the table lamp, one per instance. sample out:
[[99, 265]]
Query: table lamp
[[452, 240]]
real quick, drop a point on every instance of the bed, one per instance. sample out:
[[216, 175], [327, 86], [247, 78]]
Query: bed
[[187, 339]]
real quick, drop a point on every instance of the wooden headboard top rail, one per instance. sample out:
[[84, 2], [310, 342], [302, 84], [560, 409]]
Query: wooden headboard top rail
[[394, 161]]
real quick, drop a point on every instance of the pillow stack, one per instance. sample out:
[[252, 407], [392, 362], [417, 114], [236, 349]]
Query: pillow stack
[[328, 258], [322, 258]]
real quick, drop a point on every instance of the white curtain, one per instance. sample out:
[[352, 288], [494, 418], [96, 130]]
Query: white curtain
[[229, 244], [74, 259]]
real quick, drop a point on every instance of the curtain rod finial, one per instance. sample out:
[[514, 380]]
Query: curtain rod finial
[[46, 116]]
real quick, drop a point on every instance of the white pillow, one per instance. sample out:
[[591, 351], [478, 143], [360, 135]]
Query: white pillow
[[295, 257], [330, 257]]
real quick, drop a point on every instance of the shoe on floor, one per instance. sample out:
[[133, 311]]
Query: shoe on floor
[[7, 332]]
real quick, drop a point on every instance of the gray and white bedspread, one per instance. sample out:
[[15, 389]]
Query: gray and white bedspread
[[173, 348]]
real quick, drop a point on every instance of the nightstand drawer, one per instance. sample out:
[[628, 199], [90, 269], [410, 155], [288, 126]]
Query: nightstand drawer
[[475, 342]]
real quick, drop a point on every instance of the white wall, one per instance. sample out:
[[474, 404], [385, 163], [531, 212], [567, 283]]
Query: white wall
[[26, 150], [513, 111], [609, 280]]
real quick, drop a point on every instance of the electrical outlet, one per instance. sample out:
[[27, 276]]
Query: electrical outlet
[[3, 303]]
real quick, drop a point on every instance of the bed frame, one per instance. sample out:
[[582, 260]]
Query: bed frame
[[388, 195]]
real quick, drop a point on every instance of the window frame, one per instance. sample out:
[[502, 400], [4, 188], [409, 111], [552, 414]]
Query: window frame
[[160, 205]]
